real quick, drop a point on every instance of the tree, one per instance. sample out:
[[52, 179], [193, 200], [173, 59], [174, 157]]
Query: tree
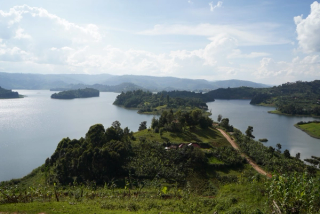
[[298, 155], [224, 123], [143, 125], [279, 147], [286, 153], [249, 132], [154, 123], [219, 118]]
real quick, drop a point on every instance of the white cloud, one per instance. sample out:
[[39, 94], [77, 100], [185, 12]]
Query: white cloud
[[255, 34], [21, 35], [237, 53], [308, 66], [190, 2], [212, 7], [308, 29]]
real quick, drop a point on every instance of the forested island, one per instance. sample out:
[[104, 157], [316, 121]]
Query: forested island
[[156, 103], [181, 163], [80, 93], [312, 128], [8, 94]]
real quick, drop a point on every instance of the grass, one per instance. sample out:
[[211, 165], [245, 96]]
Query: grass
[[210, 135], [312, 129]]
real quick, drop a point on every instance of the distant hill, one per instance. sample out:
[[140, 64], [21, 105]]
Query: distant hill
[[123, 87], [47, 81], [173, 83]]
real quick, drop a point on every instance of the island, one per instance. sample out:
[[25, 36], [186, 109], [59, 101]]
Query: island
[[80, 93], [8, 94], [312, 128], [180, 164], [155, 103]]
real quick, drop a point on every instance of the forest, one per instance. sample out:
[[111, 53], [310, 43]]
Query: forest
[[156, 103], [80, 93], [179, 164], [8, 94]]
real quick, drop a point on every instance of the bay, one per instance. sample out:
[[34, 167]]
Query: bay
[[31, 128]]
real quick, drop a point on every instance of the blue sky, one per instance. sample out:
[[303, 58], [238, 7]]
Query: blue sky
[[263, 41]]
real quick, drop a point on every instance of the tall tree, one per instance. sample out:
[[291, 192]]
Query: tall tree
[[249, 132]]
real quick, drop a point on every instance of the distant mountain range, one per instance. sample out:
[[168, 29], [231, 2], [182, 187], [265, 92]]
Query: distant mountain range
[[105, 81]]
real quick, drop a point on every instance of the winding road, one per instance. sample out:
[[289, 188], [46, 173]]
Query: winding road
[[253, 164]]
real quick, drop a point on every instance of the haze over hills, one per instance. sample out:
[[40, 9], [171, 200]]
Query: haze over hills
[[48, 81]]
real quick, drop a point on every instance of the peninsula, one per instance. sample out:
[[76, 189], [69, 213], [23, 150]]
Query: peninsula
[[8, 94], [312, 128]]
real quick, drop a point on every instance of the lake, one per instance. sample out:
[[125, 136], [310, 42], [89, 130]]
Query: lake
[[31, 128]]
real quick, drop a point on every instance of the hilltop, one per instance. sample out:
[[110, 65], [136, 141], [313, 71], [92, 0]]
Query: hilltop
[[176, 165]]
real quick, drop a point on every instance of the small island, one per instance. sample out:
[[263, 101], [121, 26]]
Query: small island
[[8, 94], [312, 128], [156, 103], [80, 93]]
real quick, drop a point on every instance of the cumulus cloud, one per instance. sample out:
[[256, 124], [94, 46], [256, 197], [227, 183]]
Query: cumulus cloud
[[308, 66], [212, 7], [308, 29]]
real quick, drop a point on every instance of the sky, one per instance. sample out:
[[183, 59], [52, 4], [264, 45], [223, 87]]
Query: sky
[[271, 42]]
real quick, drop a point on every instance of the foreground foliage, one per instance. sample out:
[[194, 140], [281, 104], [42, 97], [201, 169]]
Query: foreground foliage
[[114, 170]]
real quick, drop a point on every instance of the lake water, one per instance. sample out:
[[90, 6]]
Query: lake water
[[31, 128]]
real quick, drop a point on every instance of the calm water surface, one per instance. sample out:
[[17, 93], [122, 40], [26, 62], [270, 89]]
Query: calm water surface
[[31, 128]]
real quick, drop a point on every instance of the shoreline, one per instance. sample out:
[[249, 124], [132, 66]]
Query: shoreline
[[290, 115], [310, 134]]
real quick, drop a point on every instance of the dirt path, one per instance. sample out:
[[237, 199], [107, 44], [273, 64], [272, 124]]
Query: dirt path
[[254, 165]]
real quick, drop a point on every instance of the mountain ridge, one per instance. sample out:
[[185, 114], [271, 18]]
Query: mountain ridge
[[152, 83]]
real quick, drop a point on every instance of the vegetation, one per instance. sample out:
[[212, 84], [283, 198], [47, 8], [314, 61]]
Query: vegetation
[[80, 93], [312, 128], [156, 103], [191, 169], [8, 94]]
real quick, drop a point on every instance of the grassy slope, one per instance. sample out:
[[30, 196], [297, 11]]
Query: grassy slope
[[210, 135], [243, 195], [312, 129]]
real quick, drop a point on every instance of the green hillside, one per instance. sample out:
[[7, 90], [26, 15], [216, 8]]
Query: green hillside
[[114, 170]]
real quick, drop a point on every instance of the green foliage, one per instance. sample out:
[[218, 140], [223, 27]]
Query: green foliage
[[80, 93], [148, 102], [268, 157], [249, 132], [143, 126], [100, 156], [297, 193], [225, 124]]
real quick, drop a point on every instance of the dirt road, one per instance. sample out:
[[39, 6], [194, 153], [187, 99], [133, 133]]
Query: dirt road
[[254, 165]]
